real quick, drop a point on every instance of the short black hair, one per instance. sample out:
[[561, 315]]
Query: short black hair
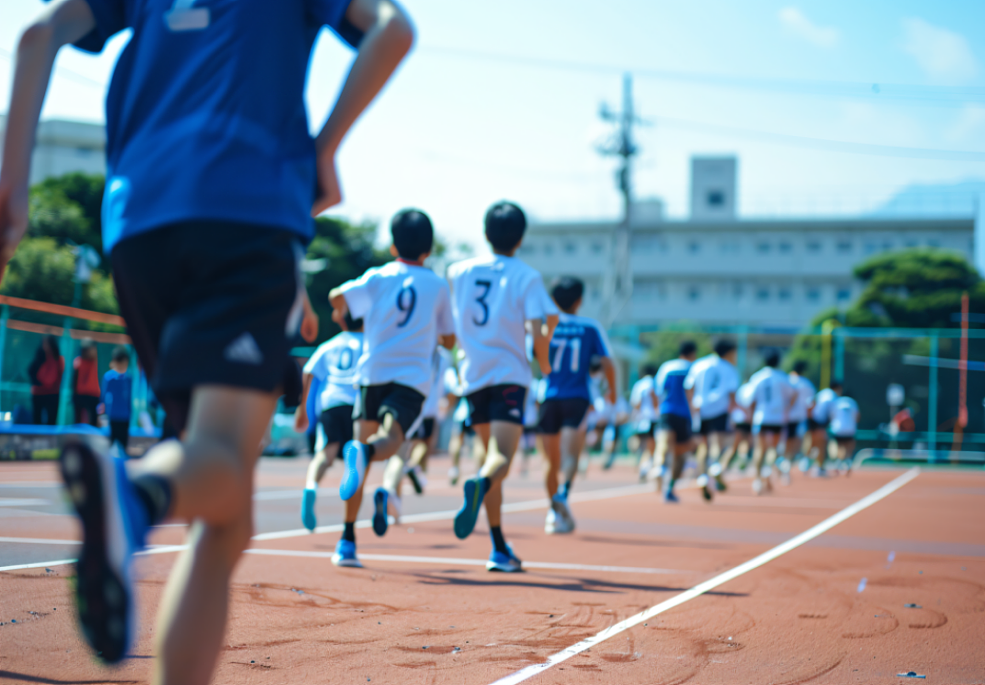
[[120, 354], [505, 226], [595, 365], [566, 291], [723, 347], [412, 233], [351, 324], [687, 348], [649, 370], [773, 358], [836, 385], [799, 367]]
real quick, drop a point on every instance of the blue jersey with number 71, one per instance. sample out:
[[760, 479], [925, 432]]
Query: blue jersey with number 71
[[577, 340]]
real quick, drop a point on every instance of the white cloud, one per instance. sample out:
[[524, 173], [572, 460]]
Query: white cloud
[[970, 120], [796, 22], [943, 55]]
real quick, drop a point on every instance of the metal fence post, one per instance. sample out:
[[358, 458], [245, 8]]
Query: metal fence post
[[932, 398], [839, 355], [743, 348]]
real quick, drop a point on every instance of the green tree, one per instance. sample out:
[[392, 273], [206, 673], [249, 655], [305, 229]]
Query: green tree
[[68, 208], [665, 345]]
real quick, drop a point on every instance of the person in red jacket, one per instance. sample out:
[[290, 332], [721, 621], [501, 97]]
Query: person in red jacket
[[85, 384], [46, 380]]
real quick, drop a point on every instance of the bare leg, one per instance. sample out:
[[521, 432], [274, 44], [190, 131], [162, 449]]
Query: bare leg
[[572, 444], [319, 465], [500, 439], [551, 447]]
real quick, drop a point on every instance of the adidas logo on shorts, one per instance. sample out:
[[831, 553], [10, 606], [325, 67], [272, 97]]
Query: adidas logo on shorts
[[244, 350]]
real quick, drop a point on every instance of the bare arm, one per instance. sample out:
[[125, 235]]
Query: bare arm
[[64, 22], [447, 341], [301, 418], [309, 324], [388, 37], [609, 369], [336, 298], [542, 333]]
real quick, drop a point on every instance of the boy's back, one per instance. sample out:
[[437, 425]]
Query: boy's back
[[405, 308], [670, 387], [577, 340], [713, 379], [492, 299], [334, 364], [772, 392]]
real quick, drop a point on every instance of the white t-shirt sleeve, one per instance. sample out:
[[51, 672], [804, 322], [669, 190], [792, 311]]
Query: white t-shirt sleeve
[[444, 321], [316, 364], [359, 294], [691, 378]]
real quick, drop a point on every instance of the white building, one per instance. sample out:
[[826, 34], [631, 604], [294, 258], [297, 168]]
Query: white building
[[62, 147], [720, 270]]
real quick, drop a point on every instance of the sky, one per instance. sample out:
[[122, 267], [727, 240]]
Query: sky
[[501, 100]]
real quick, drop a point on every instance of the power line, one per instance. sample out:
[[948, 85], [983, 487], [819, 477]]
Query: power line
[[944, 95]]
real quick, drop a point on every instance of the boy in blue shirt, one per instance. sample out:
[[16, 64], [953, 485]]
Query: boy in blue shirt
[[674, 433], [116, 400], [212, 182], [577, 342]]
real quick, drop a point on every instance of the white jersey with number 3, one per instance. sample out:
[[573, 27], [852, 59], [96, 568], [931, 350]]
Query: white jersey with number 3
[[405, 308], [492, 299]]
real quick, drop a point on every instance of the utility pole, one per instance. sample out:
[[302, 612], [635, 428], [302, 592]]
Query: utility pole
[[617, 285]]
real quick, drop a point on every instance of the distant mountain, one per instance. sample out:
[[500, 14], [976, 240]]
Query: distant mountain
[[958, 199]]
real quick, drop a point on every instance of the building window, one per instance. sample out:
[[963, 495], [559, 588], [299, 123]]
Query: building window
[[694, 293], [912, 243], [763, 294], [844, 294], [844, 246], [814, 246], [933, 243], [694, 247], [526, 250], [570, 248], [785, 295], [763, 248], [813, 294], [598, 247], [887, 246], [737, 291], [548, 249], [786, 248], [730, 247], [716, 198], [870, 248]]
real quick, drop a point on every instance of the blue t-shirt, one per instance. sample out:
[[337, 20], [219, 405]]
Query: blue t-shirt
[[576, 341], [117, 390], [205, 115], [670, 387]]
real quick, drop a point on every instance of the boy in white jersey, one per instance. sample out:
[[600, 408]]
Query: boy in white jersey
[[741, 420], [333, 368], [496, 301], [714, 381], [817, 424], [772, 398], [844, 423], [407, 312], [643, 400], [804, 392]]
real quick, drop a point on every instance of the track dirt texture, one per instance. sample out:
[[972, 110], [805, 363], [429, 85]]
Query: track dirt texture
[[898, 587]]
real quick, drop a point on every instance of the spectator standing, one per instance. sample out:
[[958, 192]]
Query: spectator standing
[[117, 400], [45, 373], [85, 383]]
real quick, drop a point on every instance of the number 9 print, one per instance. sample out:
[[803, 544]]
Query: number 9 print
[[406, 301]]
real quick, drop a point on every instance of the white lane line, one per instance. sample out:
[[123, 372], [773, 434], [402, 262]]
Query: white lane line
[[22, 502], [366, 523], [41, 541], [468, 562], [700, 589]]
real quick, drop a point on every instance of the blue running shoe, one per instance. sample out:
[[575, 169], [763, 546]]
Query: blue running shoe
[[670, 497], [354, 455], [379, 513], [504, 563], [114, 526], [308, 509], [475, 491], [345, 555]]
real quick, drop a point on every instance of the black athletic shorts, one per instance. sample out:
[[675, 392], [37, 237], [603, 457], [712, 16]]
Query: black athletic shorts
[[743, 427], [647, 428], [336, 422], [775, 428], [716, 424], [844, 439], [681, 425], [813, 425], [792, 429], [497, 403], [375, 401], [425, 430], [561, 413], [210, 303]]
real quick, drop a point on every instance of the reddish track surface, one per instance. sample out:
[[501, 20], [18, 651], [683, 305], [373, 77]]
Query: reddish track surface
[[804, 617]]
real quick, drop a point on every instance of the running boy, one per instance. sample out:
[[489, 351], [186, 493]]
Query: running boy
[[407, 312], [772, 398], [714, 381], [674, 433], [817, 424], [116, 398], [496, 300], [844, 424], [212, 181], [804, 392], [645, 405], [331, 372], [577, 341]]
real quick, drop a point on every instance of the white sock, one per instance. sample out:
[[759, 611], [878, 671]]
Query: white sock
[[310, 484]]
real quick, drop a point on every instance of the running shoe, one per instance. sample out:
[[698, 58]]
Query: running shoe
[[565, 522], [821, 472], [417, 479], [453, 476], [720, 483], [354, 455], [705, 488], [475, 491], [670, 497], [804, 464], [394, 506], [504, 563], [308, 509], [757, 486], [645, 468], [550, 524], [114, 526], [609, 461], [345, 555], [657, 474], [380, 521]]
